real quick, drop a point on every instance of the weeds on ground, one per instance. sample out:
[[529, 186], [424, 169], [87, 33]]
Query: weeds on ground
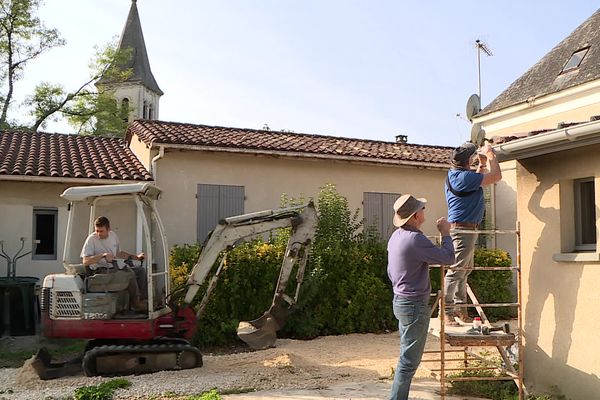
[[103, 391], [495, 390]]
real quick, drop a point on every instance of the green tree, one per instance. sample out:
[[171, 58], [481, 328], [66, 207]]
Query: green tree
[[23, 37], [91, 110]]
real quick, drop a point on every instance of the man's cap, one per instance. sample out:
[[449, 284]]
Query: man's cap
[[405, 207], [463, 153]]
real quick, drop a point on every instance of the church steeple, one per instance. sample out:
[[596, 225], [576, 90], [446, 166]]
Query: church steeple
[[133, 38], [140, 92]]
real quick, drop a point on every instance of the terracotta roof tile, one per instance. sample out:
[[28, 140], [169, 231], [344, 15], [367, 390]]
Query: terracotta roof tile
[[154, 133], [68, 156]]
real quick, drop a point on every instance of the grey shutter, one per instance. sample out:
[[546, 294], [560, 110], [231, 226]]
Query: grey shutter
[[372, 211], [378, 212], [215, 202], [387, 214]]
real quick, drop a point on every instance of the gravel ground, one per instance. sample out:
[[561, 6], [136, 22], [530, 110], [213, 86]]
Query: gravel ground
[[293, 364], [357, 366]]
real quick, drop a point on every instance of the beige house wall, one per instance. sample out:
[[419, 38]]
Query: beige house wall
[[266, 178], [560, 299], [505, 210], [17, 202]]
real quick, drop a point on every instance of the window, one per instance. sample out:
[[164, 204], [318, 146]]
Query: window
[[45, 222], [216, 202], [150, 112], [145, 110], [585, 214], [575, 60], [378, 212], [125, 109]]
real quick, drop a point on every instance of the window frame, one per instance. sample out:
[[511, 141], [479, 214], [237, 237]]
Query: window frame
[[579, 224], [566, 68], [44, 211]]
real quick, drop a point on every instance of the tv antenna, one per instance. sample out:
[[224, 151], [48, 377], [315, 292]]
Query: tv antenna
[[481, 47]]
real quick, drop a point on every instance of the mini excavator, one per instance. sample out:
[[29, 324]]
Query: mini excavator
[[81, 304]]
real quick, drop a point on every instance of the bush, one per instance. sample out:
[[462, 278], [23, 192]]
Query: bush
[[345, 288], [493, 286]]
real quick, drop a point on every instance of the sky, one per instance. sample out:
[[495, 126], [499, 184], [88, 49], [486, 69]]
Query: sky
[[368, 69]]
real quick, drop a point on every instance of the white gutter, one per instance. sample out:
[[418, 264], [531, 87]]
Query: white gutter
[[550, 142], [161, 154]]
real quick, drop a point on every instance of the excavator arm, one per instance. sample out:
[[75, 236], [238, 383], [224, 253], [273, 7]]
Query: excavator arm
[[259, 333]]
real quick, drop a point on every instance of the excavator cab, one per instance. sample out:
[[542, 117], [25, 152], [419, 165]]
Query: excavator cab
[[82, 294]]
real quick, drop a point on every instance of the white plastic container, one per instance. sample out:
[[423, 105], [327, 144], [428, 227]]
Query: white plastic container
[[477, 323]]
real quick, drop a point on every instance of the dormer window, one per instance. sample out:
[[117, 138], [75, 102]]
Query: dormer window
[[575, 60]]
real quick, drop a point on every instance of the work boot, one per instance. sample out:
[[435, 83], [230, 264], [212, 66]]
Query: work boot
[[449, 320], [463, 315]]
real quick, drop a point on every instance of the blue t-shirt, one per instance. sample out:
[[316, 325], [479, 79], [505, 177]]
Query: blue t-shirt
[[468, 209]]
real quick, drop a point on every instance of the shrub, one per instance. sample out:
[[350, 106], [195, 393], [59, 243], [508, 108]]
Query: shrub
[[345, 288], [493, 286]]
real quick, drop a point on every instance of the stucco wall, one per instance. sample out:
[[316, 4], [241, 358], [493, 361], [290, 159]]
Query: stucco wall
[[560, 298], [17, 201], [266, 178]]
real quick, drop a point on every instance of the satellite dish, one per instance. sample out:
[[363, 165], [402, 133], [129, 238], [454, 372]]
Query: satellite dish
[[473, 106], [477, 134]]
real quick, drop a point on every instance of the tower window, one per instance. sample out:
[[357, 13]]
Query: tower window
[[145, 114], [575, 60], [125, 109], [150, 112]]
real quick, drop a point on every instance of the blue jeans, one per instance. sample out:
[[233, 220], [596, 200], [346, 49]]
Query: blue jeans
[[413, 321]]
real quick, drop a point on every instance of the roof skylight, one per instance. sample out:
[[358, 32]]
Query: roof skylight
[[575, 60]]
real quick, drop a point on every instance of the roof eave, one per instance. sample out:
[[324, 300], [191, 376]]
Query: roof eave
[[550, 142], [304, 155], [68, 181]]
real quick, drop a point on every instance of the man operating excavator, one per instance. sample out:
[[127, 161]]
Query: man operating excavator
[[99, 254]]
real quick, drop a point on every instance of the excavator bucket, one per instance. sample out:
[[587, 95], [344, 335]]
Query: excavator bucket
[[261, 333], [46, 369]]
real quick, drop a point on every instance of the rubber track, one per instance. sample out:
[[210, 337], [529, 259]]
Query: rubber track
[[89, 359]]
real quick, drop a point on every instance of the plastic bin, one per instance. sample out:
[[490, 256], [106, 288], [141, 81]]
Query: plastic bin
[[18, 306]]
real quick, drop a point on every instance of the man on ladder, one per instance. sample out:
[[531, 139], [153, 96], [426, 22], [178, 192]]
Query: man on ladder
[[464, 195]]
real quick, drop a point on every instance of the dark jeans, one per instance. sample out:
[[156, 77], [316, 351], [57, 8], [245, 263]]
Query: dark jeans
[[413, 321]]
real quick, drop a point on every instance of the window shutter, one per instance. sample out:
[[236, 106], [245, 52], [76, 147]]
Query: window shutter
[[215, 202]]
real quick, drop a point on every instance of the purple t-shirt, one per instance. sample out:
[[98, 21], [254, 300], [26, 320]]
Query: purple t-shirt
[[409, 256]]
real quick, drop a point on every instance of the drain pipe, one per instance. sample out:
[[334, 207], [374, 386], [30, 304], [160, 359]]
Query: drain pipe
[[161, 154], [139, 232]]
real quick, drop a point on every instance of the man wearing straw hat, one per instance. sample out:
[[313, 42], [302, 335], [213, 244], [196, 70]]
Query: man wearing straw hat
[[464, 195], [409, 256]]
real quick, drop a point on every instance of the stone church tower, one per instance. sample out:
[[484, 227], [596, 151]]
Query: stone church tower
[[139, 92]]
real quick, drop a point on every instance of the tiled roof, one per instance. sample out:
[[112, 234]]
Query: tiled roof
[[59, 156], [545, 77], [216, 138]]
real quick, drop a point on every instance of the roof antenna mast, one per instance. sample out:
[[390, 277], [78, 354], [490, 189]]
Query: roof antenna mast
[[481, 47]]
